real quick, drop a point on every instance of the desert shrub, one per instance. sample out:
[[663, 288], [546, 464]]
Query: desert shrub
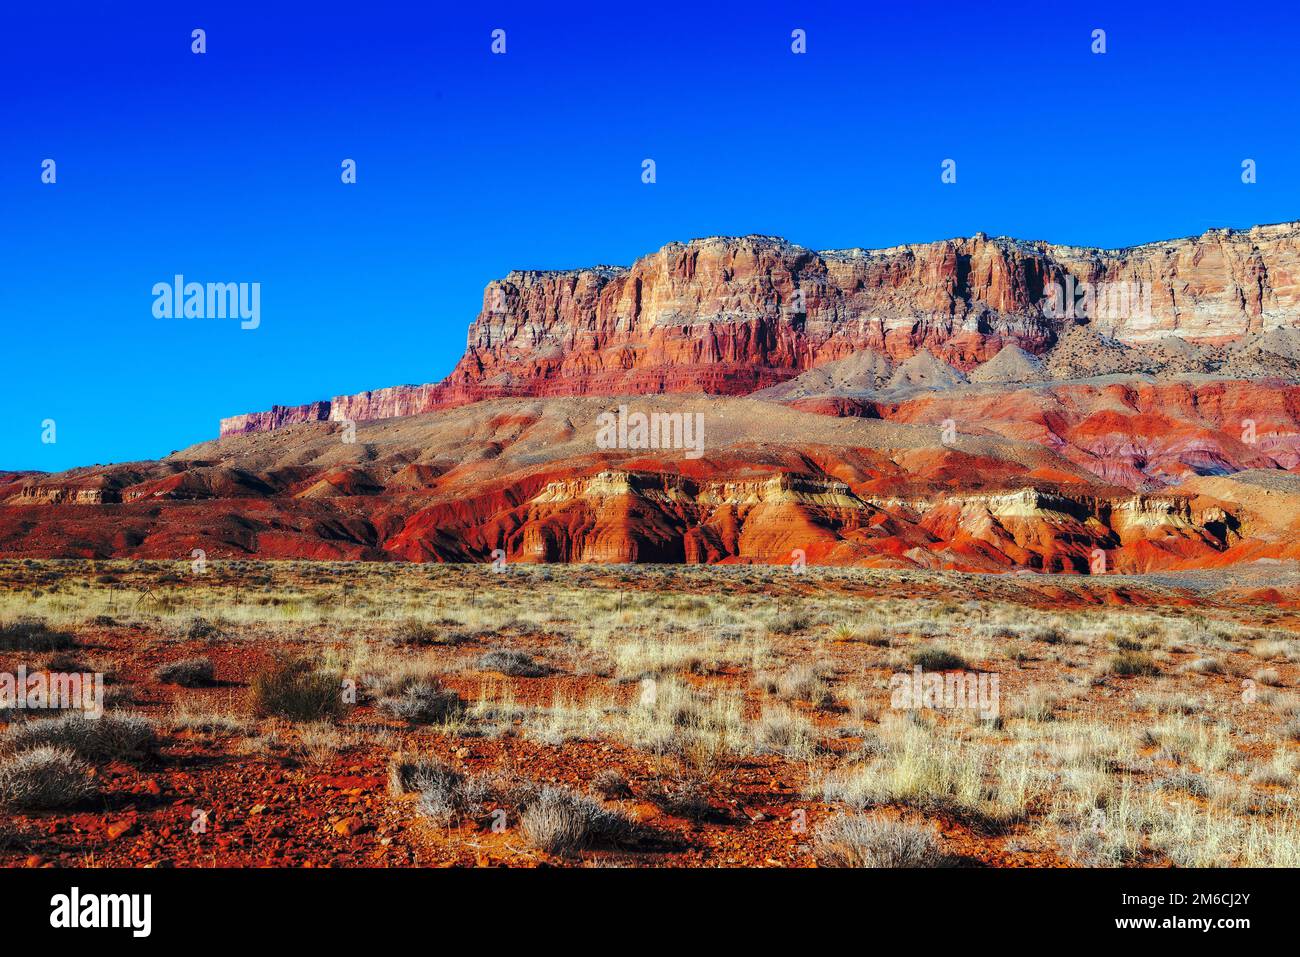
[[408, 776], [200, 629], [1133, 663], [863, 841], [512, 662], [187, 672], [422, 633], [844, 632], [799, 683], [444, 793], [1268, 676], [33, 634], [1048, 635], [295, 689], [425, 702], [936, 659], [560, 821], [610, 784], [45, 778], [1206, 666], [789, 622], [687, 796], [108, 737]]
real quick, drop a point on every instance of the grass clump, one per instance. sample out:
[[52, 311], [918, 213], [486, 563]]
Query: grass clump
[[423, 702], [33, 634], [937, 659], [108, 737], [513, 663], [45, 778], [560, 821], [860, 840], [295, 689], [187, 672], [1133, 663]]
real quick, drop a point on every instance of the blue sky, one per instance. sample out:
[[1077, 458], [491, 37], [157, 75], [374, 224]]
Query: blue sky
[[225, 167]]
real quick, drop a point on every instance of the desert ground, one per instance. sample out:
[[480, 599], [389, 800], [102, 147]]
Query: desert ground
[[314, 714]]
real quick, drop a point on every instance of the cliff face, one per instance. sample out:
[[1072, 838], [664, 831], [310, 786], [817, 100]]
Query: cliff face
[[729, 316], [278, 417]]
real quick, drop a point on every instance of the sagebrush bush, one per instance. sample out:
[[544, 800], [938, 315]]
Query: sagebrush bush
[[512, 662], [200, 629], [1133, 663], [426, 702], [33, 634], [108, 737], [862, 841], [407, 776], [45, 778], [422, 633], [611, 784], [560, 821], [789, 622], [187, 672], [937, 659], [295, 689], [445, 793]]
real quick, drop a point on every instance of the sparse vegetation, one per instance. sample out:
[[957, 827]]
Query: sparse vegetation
[[110, 737], [45, 778], [937, 659], [862, 841], [1133, 663], [560, 821], [33, 634], [295, 689], [663, 687], [186, 672]]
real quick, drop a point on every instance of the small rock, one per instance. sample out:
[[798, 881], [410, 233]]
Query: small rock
[[349, 826], [119, 828]]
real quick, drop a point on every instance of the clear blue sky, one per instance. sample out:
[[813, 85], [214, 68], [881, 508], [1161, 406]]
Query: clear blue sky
[[225, 167]]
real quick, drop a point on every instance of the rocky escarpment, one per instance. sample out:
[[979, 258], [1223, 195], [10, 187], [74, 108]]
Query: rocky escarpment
[[734, 315], [774, 485]]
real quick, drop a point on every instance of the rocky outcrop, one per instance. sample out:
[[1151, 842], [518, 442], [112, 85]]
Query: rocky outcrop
[[775, 485], [278, 417], [731, 316]]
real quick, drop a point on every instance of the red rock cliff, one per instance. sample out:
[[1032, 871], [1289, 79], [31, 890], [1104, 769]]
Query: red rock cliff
[[732, 315]]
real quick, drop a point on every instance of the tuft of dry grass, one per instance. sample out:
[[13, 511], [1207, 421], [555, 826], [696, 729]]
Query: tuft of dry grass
[[294, 689], [562, 822], [45, 778], [859, 840]]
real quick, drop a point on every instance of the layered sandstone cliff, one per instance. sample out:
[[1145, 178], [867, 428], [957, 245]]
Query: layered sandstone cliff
[[730, 316]]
